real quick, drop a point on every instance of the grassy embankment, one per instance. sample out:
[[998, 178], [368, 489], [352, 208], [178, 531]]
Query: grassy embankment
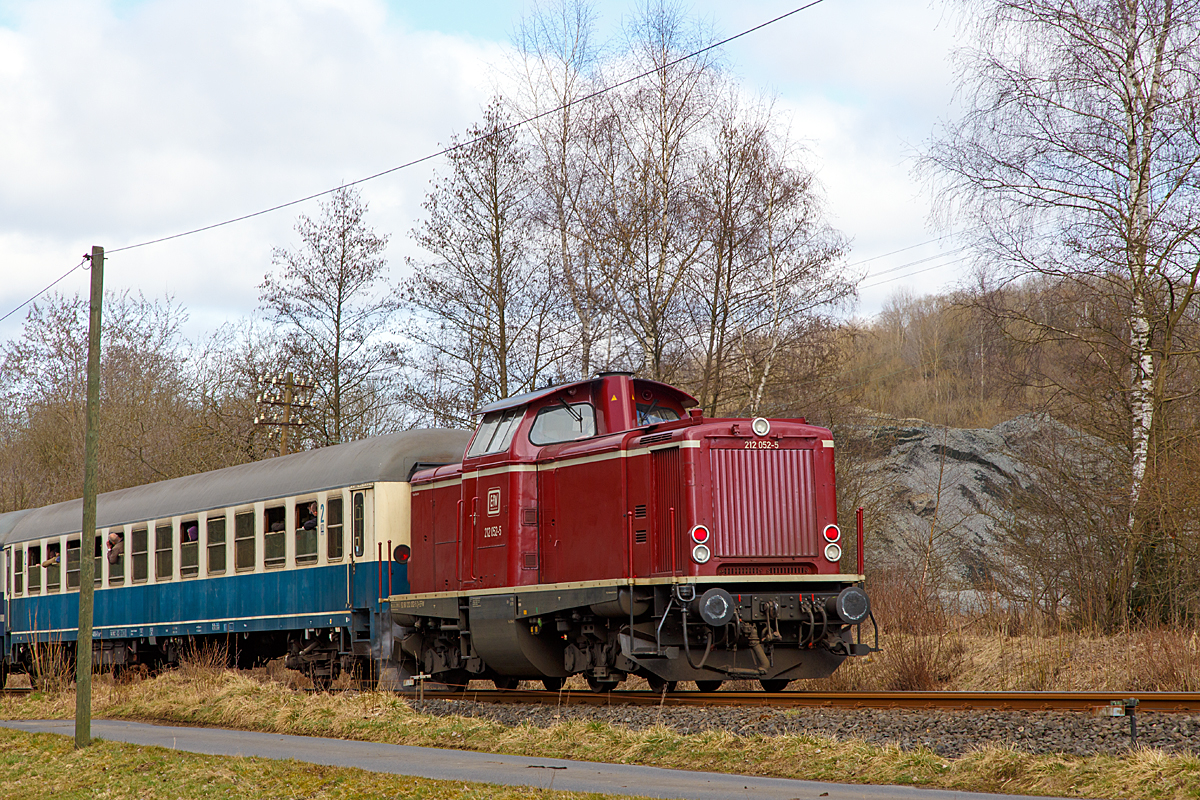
[[200, 696], [44, 766]]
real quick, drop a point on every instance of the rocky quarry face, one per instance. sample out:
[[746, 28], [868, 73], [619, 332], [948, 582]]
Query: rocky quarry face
[[943, 499]]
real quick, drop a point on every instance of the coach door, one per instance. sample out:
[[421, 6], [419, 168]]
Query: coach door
[[363, 573]]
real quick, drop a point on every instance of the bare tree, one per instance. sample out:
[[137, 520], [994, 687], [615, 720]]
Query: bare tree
[[486, 311], [640, 219], [1077, 158], [332, 300], [557, 59]]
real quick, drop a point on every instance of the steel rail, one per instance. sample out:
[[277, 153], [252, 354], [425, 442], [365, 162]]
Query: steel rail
[[1180, 702]]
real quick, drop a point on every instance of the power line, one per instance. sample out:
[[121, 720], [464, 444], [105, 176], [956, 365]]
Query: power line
[[48, 288], [477, 139]]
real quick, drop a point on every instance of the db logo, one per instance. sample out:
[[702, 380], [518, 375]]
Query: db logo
[[494, 502]]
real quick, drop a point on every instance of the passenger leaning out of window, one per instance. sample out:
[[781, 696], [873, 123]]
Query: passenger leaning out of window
[[116, 546], [310, 519], [52, 556]]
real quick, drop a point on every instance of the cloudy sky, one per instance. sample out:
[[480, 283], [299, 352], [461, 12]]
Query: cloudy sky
[[124, 121]]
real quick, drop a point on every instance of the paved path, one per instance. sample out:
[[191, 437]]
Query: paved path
[[460, 765]]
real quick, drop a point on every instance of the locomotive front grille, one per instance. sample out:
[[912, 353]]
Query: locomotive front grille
[[762, 503]]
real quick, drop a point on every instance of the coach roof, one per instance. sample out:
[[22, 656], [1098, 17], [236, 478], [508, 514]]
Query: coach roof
[[380, 458]]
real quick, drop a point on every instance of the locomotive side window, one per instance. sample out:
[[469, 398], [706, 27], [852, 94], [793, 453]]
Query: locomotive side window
[[333, 528], [496, 431], [358, 523], [189, 548], [18, 571], [138, 555], [243, 541], [35, 569], [563, 423], [306, 531], [163, 553], [72, 563], [216, 545], [53, 564], [274, 537]]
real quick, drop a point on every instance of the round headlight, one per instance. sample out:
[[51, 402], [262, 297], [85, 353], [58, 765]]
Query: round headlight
[[760, 426], [700, 534], [701, 554], [833, 552], [832, 533]]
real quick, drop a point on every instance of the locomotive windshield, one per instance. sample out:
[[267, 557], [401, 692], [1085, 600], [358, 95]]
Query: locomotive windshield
[[652, 414], [496, 431]]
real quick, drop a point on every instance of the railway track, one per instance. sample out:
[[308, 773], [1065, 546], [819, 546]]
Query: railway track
[[1165, 702], [1177, 702]]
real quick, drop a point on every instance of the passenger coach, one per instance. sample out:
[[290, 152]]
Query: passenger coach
[[284, 557]]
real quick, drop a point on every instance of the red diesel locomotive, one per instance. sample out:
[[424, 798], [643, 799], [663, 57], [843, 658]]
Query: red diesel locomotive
[[606, 528]]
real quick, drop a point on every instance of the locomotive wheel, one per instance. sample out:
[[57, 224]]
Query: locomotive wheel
[[552, 684], [601, 686], [660, 685], [708, 686], [508, 683], [774, 684]]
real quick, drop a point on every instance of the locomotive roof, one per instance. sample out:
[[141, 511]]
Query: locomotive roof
[[684, 399], [379, 458]]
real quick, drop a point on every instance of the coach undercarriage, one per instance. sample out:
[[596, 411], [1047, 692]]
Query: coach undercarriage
[[773, 632]]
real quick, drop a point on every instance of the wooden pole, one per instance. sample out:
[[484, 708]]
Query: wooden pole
[[287, 414], [87, 534]]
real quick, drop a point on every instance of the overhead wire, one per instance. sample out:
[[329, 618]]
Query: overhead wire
[[56, 281]]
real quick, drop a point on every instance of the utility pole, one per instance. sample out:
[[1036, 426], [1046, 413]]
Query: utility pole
[[277, 400], [87, 534]]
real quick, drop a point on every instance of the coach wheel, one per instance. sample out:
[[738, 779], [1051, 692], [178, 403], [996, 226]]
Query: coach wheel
[[660, 685], [708, 686], [506, 683], [552, 684], [601, 686], [774, 684]]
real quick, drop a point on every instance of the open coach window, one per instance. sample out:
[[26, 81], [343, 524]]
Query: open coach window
[[563, 423], [496, 431]]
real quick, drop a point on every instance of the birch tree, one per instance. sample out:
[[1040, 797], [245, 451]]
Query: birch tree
[[1077, 160]]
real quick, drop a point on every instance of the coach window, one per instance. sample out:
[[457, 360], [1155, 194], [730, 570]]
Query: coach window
[[359, 524], [163, 552], [35, 569], [333, 529], [53, 566], [306, 531], [189, 548], [216, 545], [18, 570], [563, 423], [72, 563], [243, 541], [275, 537], [116, 556], [97, 559], [139, 557]]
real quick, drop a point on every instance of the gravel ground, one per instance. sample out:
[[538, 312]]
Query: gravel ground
[[948, 733]]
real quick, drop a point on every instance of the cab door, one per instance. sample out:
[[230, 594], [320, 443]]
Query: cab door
[[363, 577]]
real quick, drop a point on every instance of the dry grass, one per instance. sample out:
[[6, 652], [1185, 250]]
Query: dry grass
[[230, 699]]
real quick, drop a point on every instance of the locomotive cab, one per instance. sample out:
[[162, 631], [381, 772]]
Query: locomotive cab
[[590, 524]]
